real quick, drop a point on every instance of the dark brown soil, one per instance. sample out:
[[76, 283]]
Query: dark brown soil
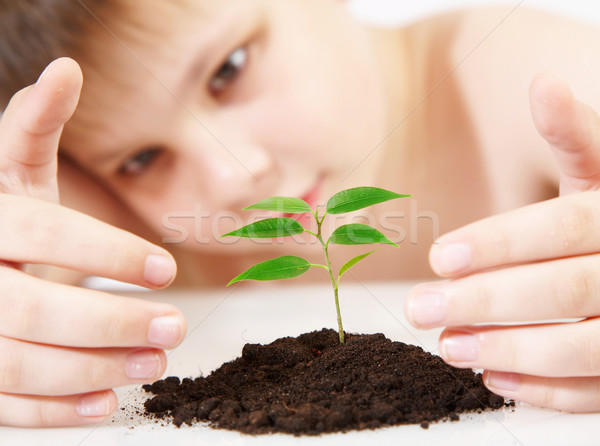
[[313, 384]]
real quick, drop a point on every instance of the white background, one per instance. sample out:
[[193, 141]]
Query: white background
[[395, 12]]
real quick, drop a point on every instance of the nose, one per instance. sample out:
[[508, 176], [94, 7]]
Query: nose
[[232, 171], [235, 172]]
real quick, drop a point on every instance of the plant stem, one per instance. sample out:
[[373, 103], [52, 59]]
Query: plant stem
[[334, 283]]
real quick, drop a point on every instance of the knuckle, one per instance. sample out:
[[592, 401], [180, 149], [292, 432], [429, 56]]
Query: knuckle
[[579, 397], [576, 223], [587, 355], [18, 96], [11, 370], [16, 100], [98, 372], [548, 396], [46, 415], [481, 309], [501, 241], [21, 314], [30, 222], [573, 290], [593, 393], [118, 327]]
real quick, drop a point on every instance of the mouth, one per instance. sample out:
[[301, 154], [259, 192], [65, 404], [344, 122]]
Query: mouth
[[311, 197]]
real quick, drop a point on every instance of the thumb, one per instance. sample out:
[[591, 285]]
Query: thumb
[[572, 129], [31, 127]]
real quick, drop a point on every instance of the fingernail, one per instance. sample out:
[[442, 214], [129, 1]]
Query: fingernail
[[164, 330], [453, 258], [428, 308], [142, 364], [158, 270], [502, 380], [93, 405], [460, 347]]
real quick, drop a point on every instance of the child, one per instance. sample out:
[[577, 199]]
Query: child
[[191, 110]]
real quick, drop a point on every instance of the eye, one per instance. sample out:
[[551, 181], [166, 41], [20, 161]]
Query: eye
[[228, 71], [140, 162]]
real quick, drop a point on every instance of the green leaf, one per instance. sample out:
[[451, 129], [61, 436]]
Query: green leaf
[[358, 198], [269, 228], [288, 205], [350, 263], [284, 267], [358, 234]]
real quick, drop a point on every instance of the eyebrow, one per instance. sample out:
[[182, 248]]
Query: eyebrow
[[204, 49], [103, 157], [195, 68]]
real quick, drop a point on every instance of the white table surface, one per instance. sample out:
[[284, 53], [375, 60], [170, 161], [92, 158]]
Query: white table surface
[[220, 322]]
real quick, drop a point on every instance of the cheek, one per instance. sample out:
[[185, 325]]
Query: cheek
[[179, 216]]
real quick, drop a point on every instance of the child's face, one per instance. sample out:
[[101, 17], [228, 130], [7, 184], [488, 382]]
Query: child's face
[[205, 107]]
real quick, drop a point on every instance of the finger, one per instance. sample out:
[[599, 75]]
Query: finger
[[37, 369], [565, 288], [568, 394], [71, 410], [30, 130], [51, 313], [47, 233], [572, 129], [551, 350], [561, 227]]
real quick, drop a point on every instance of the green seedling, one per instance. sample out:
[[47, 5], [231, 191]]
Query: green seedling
[[287, 267]]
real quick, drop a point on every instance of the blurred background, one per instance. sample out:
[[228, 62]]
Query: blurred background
[[397, 12]]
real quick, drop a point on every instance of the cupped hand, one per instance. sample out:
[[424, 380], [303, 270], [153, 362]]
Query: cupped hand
[[521, 297], [63, 348]]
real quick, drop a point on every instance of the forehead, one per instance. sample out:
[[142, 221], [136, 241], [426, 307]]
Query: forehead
[[138, 57]]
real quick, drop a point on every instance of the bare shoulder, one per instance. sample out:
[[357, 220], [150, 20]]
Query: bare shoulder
[[505, 48], [522, 35], [492, 56]]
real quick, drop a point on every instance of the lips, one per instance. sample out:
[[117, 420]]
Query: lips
[[311, 197]]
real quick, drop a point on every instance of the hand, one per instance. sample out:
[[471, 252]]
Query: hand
[[537, 263], [63, 348]]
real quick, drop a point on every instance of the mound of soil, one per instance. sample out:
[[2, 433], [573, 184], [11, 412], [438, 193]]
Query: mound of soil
[[312, 384]]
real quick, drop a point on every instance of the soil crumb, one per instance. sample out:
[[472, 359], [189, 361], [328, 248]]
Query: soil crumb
[[312, 384]]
